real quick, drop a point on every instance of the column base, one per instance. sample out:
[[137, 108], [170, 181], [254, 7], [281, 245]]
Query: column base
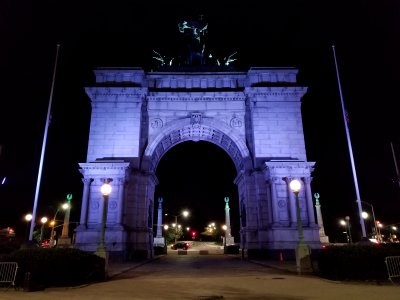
[[159, 242], [303, 259], [102, 252], [64, 242]]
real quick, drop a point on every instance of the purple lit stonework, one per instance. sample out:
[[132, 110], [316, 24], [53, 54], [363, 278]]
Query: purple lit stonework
[[254, 116]]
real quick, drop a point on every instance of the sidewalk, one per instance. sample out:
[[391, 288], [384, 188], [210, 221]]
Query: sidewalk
[[114, 269], [288, 266], [245, 282]]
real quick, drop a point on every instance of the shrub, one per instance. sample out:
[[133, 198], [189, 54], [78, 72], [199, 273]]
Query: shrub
[[8, 246], [57, 266], [355, 262]]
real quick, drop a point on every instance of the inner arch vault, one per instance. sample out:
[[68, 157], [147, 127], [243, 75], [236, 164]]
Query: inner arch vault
[[182, 132]]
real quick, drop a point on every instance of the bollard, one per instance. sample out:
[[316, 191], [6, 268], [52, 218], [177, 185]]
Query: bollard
[[280, 257], [27, 282]]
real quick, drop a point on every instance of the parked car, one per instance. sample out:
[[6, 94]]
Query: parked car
[[180, 245]]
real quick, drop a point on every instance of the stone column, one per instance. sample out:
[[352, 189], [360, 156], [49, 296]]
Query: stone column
[[121, 183], [85, 201], [274, 200], [322, 236], [65, 229], [229, 240], [64, 240], [159, 218], [159, 240], [309, 200], [292, 203]]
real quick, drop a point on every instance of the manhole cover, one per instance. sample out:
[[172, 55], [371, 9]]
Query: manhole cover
[[212, 297], [278, 278]]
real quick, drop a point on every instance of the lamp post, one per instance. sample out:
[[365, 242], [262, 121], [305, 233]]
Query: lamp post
[[373, 218], [347, 218], [346, 224], [43, 221], [165, 239], [185, 213], [392, 235], [224, 227], [101, 249], [28, 219], [303, 260], [378, 233], [343, 223], [176, 229]]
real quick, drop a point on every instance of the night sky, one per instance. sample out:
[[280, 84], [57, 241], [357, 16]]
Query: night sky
[[198, 176]]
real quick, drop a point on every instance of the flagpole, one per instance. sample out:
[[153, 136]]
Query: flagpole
[[395, 164], [350, 149], [43, 150]]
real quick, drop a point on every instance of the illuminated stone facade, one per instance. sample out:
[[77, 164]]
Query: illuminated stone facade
[[255, 116]]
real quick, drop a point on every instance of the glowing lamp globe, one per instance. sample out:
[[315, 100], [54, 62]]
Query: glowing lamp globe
[[295, 185], [106, 189]]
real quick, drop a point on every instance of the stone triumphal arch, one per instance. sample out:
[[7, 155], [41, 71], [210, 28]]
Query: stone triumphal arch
[[253, 115]]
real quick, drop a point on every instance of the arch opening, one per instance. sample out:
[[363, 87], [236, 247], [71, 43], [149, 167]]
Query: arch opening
[[197, 176]]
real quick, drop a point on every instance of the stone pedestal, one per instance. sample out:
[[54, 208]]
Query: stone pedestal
[[322, 236], [230, 240], [104, 254], [159, 242], [64, 242]]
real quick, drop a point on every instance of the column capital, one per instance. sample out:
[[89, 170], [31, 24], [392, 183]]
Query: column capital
[[121, 180], [288, 179], [307, 180], [106, 180], [275, 179], [87, 180]]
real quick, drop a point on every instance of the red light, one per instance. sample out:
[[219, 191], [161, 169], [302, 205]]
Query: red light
[[193, 233]]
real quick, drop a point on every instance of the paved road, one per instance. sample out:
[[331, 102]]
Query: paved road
[[212, 277]]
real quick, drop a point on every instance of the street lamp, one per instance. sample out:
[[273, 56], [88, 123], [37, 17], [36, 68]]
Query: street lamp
[[101, 249], [378, 233], [347, 218], [392, 233], [28, 219], [43, 221], [185, 213], [373, 218], [346, 224], [303, 261], [224, 228]]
